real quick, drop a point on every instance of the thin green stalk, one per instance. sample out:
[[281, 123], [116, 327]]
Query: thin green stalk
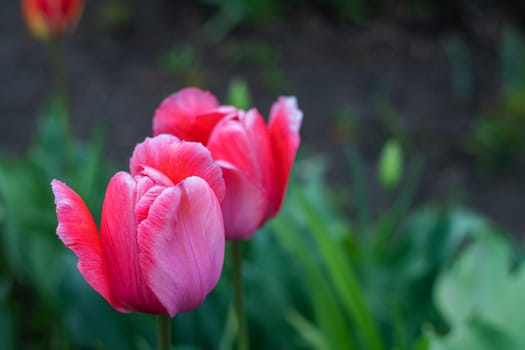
[[243, 340], [58, 64], [60, 91], [358, 185], [164, 332], [60, 101]]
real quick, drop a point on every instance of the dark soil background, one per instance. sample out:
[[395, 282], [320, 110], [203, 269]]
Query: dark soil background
[[395, 61]]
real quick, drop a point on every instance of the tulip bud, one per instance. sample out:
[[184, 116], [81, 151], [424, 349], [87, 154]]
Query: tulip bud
[[48, 19], [239, 94], [390, 165]]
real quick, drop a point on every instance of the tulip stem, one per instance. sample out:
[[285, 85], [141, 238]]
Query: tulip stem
[[164, 332], [60, 91], [243, 340], [58, 63]]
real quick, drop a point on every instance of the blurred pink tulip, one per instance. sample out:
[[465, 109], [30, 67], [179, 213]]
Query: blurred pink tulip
[[256, 158], [161, 244], [48, 19]]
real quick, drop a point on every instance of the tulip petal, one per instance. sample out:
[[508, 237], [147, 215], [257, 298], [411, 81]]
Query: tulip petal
[[182, 245], [180, 115], [243, 142], [177, 160], [119, 241], [284, 126], [244, 205], [144, 202], [77, 229]]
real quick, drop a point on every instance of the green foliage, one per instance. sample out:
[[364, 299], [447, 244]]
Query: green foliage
[[6, 318], [370, 283], [33, 261], [499, 136], [232, 13], [481, 297], [27, 199], [512, 55], [332, 262]]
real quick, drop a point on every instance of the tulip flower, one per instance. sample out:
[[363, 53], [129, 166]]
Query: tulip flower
[[256, 158], [47, 19], [160, 248]]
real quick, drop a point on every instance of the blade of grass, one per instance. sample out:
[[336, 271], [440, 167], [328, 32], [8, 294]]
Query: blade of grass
[[311, 335], [343, 277], [327, 311], [230, 330], [358, 185]]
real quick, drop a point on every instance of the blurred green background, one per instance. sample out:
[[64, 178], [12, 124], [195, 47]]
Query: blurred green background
[[403, 224]]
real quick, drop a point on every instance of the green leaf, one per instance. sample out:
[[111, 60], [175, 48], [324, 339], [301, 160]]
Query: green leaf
[[482, 298], [342, 276], [310, 334], [328, 313]]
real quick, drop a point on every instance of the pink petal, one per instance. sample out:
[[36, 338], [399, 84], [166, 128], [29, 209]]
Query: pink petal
[[154, 175], [244, 205], [242, 140], [182, 245], [144, 202], [119, 241], [148, 186], [77, 229], [177, 160], [285, 122], [201, 127], [180, 115]]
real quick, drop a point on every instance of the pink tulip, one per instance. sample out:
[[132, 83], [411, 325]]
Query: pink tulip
[[161, 244], [256, 158]]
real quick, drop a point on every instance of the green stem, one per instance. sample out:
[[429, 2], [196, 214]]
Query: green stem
[[243, 339], [58, 68], [60, 91], [164, 332], [60, 101]]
